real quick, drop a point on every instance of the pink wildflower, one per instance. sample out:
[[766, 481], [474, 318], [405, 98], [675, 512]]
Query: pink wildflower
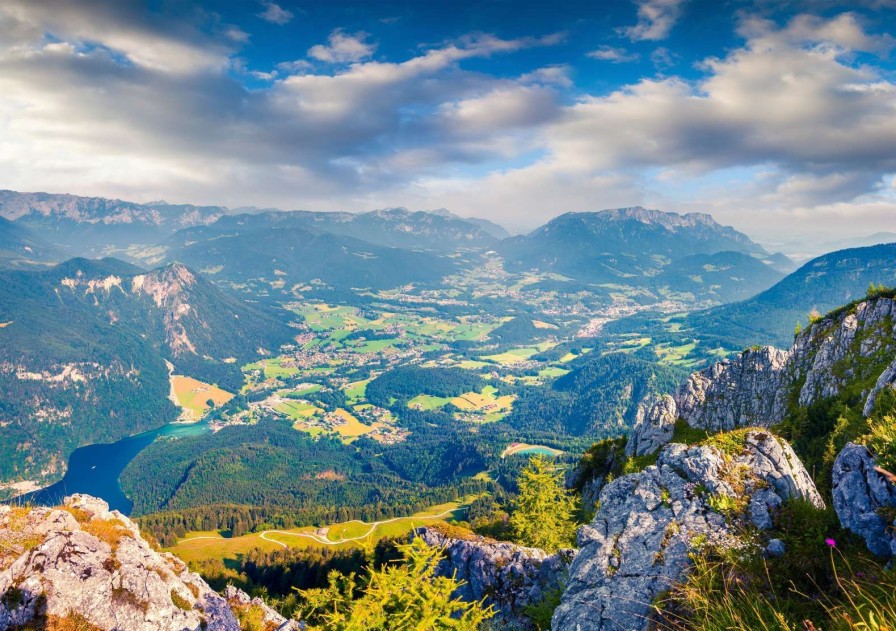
[[831, 542]]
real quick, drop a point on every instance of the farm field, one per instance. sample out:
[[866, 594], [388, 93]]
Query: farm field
[[203, 545], [298, 410], [192, 395], [485, 406], [352, 428]]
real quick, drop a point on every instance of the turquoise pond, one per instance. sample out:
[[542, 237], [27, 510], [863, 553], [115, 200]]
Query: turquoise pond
[[95, 469]]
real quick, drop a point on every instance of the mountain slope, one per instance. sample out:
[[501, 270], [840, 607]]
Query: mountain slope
[[621, 245], [22, 249], [83, 348], [821, 284], [769, 317], [720, 277], [393, 227], [287, 255]]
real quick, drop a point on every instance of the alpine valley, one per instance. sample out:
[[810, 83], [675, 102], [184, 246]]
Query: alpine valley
[[623, 419]]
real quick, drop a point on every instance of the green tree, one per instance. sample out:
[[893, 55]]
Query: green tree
[[406, 596], [543, 515]]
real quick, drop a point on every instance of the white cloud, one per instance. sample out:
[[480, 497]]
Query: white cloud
[[343, 48], [613, 55], [146, 40], [275, 14], [655, 19], [784, 126]]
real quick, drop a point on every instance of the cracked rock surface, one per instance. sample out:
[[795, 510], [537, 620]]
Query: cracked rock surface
[[85, 559], [859, 493], [654, 425], [752, 389], [639, 542]]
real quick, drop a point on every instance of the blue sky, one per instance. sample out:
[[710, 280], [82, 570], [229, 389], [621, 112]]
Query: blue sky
[[777, 117]]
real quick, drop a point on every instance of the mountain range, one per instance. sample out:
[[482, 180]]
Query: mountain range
[[685, 257]]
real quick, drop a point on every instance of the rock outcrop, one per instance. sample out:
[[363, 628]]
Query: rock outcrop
[[747, 391], [82, 561], [654, 425], [825, 354], [509, 577], [648, 523], [865, 500], [752, 390]]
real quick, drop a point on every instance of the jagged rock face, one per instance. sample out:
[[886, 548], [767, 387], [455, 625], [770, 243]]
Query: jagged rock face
[[639, 542], [870, 330], [90, 561], [654, 425], [506, 575], [753, 389], [748, 391], [859, 493]]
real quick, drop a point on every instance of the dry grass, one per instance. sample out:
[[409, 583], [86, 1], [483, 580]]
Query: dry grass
[[128, 598], [15, 538], [111, 531], [80, 515], [180, 602], [71, 622]]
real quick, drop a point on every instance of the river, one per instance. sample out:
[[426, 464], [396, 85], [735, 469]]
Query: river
[[95, 469]]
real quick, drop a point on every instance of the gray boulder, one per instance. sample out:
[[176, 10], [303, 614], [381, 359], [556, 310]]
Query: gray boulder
[[509, 577], [860, 493], [638, 544], [85, 559], [654, 425]]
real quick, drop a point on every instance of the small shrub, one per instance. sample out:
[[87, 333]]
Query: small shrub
[[636, 464], [251, 618], [882, 441], [541, 612], [687, 435]]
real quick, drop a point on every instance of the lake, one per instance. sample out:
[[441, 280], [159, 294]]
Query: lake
[[95, 469]]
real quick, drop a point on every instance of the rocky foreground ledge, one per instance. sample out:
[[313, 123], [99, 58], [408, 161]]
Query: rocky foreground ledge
[[83, 566]]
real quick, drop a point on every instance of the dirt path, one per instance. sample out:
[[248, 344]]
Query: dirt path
[[318, 539]]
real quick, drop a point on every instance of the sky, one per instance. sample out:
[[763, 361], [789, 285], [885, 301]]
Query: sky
[[776, 116]]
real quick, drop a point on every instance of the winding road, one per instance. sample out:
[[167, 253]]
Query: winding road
[[317, 538]]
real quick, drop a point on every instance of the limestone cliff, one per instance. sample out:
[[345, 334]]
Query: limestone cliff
[[753, 389], [84, 565]]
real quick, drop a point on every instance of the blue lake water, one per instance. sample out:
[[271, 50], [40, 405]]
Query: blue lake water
[[543, 451], [95, 469]]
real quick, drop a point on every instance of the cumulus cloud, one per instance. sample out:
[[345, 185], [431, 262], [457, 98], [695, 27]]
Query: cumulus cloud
[[613, 55], [275, 14], [655, 19], [343, 48], [147, 40], [784, 125]]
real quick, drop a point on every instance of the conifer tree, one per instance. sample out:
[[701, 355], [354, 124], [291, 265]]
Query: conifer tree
[[406, 596], [543, 515]]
